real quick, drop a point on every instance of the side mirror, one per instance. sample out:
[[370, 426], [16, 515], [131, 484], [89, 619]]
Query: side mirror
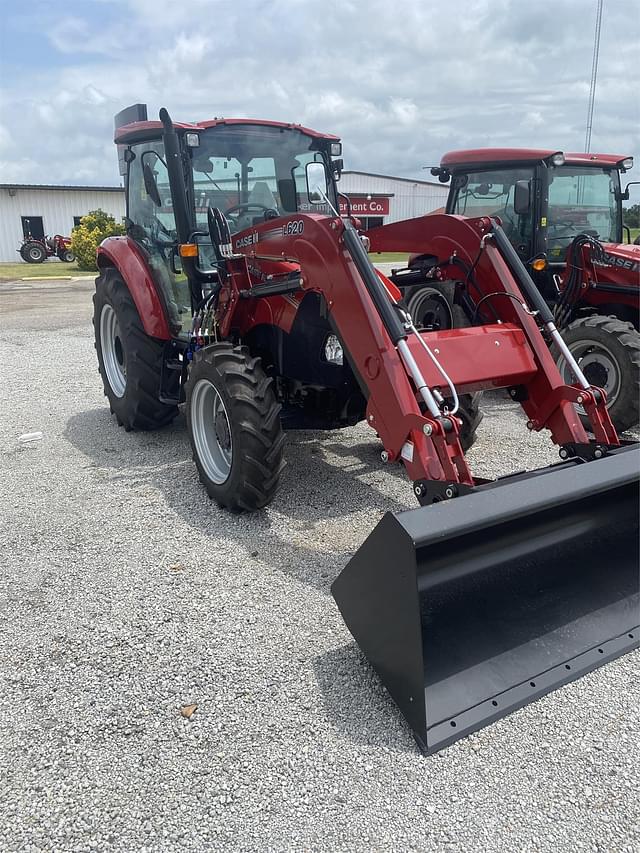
[[624, 195], [219, 233], [150, 185], [316, 183], [203, 164], [522, 198]]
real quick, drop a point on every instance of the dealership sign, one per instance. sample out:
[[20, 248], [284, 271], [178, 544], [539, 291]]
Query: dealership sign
[[365, 206]]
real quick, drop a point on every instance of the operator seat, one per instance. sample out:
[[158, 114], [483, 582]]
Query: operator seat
[[260, 194]]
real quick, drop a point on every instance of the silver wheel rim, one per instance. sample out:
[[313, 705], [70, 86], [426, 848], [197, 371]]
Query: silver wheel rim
[[112, 348], [597, 363], [211, 431]]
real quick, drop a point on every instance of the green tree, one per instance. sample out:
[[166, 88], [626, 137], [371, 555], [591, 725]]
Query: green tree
[[86, 237], [631, 216]]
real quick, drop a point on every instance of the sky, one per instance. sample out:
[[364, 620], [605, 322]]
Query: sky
[[400, 81]]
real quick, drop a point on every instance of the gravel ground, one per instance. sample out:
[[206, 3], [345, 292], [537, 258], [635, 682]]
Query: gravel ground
[[126, 596]]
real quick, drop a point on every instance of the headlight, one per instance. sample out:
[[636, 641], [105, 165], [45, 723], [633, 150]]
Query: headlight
[[193, 140], [336, 149], [557, 159], [627, 163], [333, 352]]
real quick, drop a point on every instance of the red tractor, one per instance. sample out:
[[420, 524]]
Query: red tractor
[[35, 251], [240, 292], [563, 215]]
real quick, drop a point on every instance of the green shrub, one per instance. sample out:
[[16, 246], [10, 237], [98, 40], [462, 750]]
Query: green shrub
[[86, 237]]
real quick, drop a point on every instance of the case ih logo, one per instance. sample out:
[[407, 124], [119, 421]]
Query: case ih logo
[[622, 263], [363, 206]]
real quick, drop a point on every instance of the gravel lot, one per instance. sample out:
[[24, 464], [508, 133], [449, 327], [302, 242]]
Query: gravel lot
[[294, 744]]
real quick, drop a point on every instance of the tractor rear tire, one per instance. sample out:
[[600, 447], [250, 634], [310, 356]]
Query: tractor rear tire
[[608, 351], [33, 253], [129, 361], [234, 425]]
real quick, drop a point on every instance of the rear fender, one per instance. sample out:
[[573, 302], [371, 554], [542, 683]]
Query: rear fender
[[125, 255]]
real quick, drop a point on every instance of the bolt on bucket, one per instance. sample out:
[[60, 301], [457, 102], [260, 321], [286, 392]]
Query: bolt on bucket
[[471, 608]]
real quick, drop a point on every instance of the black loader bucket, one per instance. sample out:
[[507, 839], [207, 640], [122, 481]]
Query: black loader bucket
[[473, 607]]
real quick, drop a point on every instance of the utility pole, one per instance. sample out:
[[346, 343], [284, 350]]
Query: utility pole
[[594, 75]]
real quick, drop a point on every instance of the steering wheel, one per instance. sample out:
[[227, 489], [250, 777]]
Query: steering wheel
[[249, 204]]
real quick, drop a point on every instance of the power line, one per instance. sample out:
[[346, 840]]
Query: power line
[[594, 75]]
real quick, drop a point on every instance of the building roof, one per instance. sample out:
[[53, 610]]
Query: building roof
[[59, 187], [393, 178]]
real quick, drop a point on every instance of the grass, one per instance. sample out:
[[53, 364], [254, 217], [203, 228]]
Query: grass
[[47, 269], [388, 257], [56, 269]]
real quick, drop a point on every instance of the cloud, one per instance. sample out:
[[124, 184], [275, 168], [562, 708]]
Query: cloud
[[401, 83]]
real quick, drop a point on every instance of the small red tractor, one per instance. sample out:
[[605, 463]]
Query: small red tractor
[[35, 251], [563, 215], [241, 292]]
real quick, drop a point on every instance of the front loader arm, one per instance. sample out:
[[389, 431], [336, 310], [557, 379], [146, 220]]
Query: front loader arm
[[401, 371], [369, 327], [477, 252]]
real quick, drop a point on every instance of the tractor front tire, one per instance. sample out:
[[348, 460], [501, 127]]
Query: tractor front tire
[[471, 416], [608, 352], [66, 256], [430, 307], [234, 425], [129, 361], [469, 410]]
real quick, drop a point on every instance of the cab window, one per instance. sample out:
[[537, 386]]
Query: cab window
[[491, 193]]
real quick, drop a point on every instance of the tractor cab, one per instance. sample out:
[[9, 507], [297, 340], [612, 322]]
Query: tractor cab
[[543, 198], [251, 171]]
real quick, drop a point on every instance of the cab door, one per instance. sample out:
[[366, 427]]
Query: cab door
[[151, 223]]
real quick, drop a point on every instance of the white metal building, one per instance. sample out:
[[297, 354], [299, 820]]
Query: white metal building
[[49, 210], [380, 199]]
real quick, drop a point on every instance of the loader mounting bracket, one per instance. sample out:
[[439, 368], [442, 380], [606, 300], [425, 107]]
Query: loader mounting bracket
[[518, 393], [585, 452], [434, 491]]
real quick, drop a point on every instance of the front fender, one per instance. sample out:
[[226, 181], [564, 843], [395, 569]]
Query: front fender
[[125, 255]]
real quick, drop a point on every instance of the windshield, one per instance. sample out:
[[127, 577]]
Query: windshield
[[253, 173], [581, 201]]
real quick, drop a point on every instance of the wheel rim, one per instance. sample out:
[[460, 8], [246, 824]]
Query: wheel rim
[[211, 431], [35, 253], [430, 310], [112, 351], [599, 367]]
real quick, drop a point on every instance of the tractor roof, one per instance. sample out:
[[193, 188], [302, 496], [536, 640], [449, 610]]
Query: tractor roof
[[141, 130], [484, 157]]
